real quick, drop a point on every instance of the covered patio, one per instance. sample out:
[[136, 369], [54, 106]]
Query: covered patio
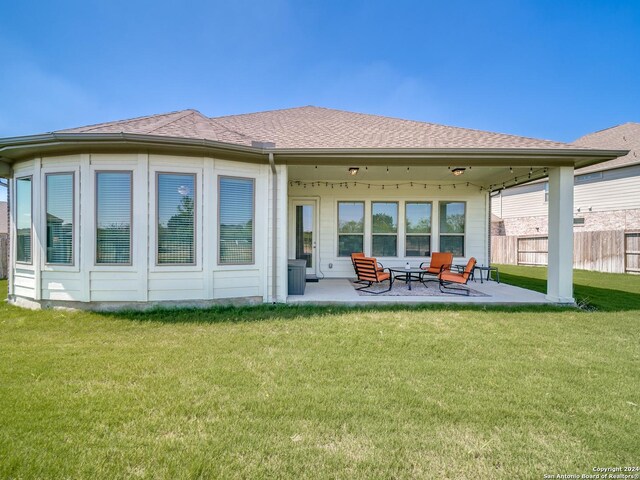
[[340, 291]]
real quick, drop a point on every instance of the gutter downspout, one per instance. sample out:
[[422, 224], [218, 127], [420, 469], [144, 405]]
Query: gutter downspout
[[274, 229]]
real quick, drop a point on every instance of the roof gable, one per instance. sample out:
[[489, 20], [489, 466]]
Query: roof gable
[[620, 137]]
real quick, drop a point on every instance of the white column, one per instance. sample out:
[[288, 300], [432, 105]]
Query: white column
[[560, 274], [283, 235]]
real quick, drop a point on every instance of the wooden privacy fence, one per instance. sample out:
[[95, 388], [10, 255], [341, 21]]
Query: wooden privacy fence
[[4, 255], [607, 251]]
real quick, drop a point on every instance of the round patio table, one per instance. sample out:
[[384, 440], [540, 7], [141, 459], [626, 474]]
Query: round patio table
[[406, 274]]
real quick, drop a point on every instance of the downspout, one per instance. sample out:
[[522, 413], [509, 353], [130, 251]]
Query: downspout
[[274, 228]]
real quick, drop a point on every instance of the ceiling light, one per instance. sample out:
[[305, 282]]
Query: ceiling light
[[353, 170], [458, 171]]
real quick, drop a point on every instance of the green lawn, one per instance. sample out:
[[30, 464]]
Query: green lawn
[[291, 392]]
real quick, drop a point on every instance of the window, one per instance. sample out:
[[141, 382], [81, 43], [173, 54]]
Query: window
[[384, 229], [452, 221], [60, 210], [350, 228], [113, 218], [176, 214], [418, 229], [23, 220], [235, 220]]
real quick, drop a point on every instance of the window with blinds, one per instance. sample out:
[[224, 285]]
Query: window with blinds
[[452, 227], [113, 218], [176, 214], [60, 211], [235, 220], [23, 220]]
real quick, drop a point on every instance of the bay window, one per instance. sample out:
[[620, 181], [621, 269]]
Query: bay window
[[175, 218], [60, 208], [236, 208], [113, 218], [23, 220]]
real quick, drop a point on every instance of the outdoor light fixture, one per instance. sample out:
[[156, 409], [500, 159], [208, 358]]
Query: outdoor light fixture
[[353, 170], [458, 171]]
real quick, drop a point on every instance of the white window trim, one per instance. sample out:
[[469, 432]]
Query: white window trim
[[15, 199], [56, 267], [154, 267], [112, 266], [337, 225], [253, 222], [430, 234], [397, 234], [464, 235]]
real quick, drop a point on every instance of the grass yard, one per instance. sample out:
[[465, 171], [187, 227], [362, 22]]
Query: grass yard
[[303, 392]]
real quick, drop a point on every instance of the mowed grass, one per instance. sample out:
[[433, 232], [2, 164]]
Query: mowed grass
[[294, 392]]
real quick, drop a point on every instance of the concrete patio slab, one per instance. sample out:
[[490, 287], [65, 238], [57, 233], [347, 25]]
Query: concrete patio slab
[[339, 291]]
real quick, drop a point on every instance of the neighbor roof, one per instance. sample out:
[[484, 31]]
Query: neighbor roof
[[620, 137], [314, 127]]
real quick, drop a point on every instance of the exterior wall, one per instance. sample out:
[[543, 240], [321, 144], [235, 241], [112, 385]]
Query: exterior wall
[[144, 280], [608, 200], [476, 234]]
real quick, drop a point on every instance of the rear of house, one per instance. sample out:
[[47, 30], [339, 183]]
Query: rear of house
[[181, 208]]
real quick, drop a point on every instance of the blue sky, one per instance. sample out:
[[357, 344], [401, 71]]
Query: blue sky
[[549, 69]]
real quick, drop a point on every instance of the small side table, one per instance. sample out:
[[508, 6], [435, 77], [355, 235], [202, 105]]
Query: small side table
[[488, 269]]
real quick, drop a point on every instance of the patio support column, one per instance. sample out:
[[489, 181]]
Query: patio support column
[[560, 246]]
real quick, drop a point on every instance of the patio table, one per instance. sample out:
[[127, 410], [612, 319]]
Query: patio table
[[406, 274]]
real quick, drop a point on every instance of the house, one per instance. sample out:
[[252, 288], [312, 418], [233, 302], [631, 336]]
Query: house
[[4, 218], [606, 199], [181, 207]]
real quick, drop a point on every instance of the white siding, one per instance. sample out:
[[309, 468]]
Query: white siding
[[143, 280], [616, 190], [476, 221]]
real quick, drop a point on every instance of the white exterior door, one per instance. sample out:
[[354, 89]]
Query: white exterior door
[[303, 234]]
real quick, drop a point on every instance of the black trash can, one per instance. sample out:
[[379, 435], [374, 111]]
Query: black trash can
[[297, 276]]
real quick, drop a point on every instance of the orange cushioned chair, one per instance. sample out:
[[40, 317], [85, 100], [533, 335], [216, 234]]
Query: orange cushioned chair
[[448, 278], [440, 261], [368, 272], [355, 255]]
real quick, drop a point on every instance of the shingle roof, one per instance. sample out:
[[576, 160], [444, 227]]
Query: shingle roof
[[316, 127], [620, 137]]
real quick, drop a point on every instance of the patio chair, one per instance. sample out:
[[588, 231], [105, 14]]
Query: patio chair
[[361, 255], [439, 261], [447, 278], [368, 272]]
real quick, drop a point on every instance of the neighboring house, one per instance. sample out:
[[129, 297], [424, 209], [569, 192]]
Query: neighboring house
[[180, 207], [4, 218], [606, 198]]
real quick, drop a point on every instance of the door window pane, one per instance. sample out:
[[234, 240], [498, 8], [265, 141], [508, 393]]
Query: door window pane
[[236, 221], [350, 228], [176, 218], [113, 218], [60, 209], [23, 220], [304, 234]]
